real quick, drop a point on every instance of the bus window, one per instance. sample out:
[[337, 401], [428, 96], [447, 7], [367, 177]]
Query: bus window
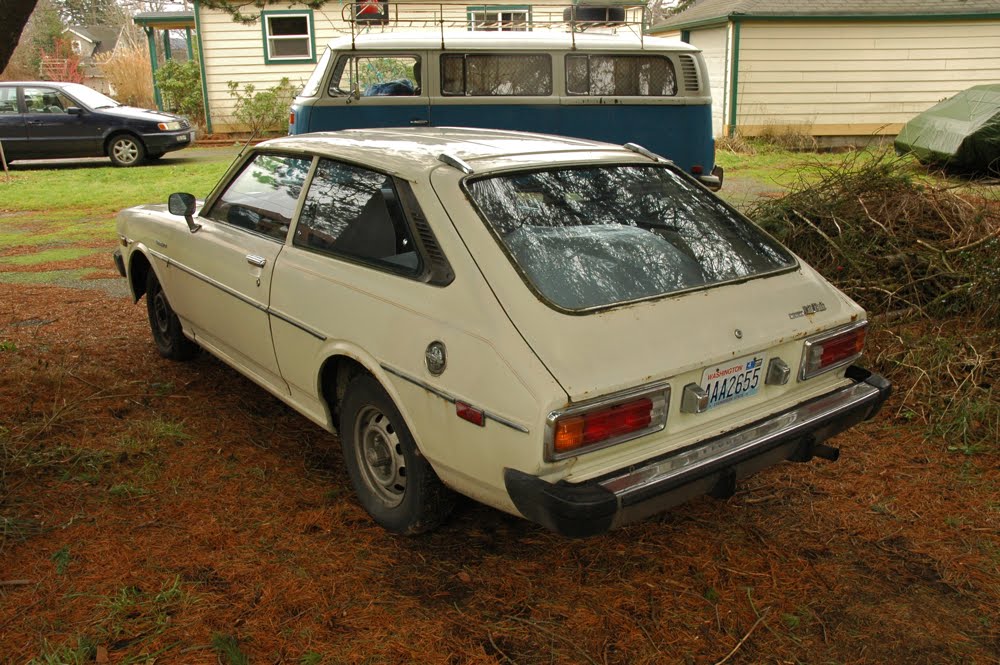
[[620, 75], [496, 75], [376, 76]]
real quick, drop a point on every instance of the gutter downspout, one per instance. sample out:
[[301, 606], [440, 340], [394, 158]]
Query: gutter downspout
[[735, 80]]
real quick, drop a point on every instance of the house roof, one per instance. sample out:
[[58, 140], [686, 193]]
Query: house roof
[[103, 36], [707, 11]]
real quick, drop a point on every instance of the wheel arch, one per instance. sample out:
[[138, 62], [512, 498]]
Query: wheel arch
[[139, 266], [119, 131]]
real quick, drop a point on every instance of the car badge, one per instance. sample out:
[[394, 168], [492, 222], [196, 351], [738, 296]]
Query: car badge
[[811, 308], [435, 358]]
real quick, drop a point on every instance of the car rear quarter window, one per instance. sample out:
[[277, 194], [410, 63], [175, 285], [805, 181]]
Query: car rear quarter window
[[8, 101], [591, 237], [263, 196], [354, 213]]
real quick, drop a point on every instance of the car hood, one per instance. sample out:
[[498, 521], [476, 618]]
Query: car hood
[[134, 113]]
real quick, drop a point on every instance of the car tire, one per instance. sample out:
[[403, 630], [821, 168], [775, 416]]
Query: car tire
[[392, 480], [164, 324], [126, 150]]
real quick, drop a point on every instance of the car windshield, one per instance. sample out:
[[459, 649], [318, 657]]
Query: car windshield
[[90, 97], [590, 237]]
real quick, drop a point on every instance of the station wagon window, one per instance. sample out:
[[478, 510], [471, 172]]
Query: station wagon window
[[590, 237], [499, 19], [8, 101], [288, 36], [46, 100], [263, 196], [496, 74], [620, 75], [377, 75], [353, 212]]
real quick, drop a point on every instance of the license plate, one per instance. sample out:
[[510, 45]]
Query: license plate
[[733, 380]]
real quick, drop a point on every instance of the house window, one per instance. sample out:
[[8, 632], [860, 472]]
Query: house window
[[288, 36], [499, 19], [620, 75], [496, 74]]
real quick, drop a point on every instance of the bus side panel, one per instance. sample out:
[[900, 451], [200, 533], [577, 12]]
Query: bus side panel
[[680, 133], [367, 114], [540, 118]]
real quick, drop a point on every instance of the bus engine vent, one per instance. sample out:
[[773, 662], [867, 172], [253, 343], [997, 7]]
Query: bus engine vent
[[689, 69]]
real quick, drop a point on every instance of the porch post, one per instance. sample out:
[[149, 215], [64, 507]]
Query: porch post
[[151, 39], [167, 51], [187, 39]]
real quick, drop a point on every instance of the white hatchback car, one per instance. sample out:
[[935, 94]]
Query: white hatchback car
[[571, 331]]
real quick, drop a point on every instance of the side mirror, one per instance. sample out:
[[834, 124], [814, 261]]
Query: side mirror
[[183, 204], [74, 110]]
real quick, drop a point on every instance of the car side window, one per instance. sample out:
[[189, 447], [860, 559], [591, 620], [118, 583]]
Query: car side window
[[262, 198], [46, 100], [353, 212], [8, 101]]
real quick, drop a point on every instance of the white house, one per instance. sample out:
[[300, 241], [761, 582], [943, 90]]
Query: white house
[[837, 68]]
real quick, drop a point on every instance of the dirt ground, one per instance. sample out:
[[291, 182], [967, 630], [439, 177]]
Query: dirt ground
[[176, 513]]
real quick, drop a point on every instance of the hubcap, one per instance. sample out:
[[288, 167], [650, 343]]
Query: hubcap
[[126, 151], [380, 456], [161, 312]]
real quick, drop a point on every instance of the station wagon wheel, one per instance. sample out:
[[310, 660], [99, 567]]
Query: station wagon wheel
[[164, 324], [126, 150], [393, 481]]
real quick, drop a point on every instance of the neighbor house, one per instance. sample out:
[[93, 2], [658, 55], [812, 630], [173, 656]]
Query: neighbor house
[[287, 39], [88, 42], [837, 68]]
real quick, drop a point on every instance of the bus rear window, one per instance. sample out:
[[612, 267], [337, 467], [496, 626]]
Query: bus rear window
[[496, 75], [620, 75]]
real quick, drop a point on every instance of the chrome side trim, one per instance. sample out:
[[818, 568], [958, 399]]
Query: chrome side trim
[[298, 324], [452, 399], [208, 280], [782, 426]]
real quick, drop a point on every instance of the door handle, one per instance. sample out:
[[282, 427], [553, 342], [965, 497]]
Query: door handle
[[255, 260], [419, 122], [35, 122]]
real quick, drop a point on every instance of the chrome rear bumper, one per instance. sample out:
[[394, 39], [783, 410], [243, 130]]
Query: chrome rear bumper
[[708, 467]]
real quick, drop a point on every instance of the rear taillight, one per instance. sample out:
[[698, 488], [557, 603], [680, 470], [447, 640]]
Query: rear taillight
[[832, 349], [291, 118], [607, 421]]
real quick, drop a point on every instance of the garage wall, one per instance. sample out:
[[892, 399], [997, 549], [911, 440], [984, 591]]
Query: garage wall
[[857, 78], [713, 44]]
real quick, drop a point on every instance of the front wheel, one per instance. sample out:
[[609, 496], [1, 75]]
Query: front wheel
[[126, 150], [166, 327], [393, 481]]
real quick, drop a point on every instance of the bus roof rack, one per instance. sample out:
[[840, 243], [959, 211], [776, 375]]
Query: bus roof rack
[[368, 16]]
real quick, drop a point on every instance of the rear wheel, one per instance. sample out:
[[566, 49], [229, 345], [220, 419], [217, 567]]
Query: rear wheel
[[166, 327], [126, 150], [393, 481]]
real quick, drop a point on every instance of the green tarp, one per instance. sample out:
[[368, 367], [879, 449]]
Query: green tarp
[[962, 132]]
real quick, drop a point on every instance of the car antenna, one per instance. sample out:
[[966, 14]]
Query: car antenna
[[246, 145]]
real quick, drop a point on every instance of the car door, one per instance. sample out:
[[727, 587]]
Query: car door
[[219, 279], [55, 132], [13, 135]]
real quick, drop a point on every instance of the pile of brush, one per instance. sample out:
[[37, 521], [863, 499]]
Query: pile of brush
[[894, 242]]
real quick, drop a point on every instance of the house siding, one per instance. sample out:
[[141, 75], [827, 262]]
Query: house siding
[[856, 78], [713, 43]]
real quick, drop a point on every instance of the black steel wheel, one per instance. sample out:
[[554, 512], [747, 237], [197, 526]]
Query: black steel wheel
[[392, 480], [166, 327]]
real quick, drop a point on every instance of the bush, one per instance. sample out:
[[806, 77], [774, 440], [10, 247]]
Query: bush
[[180, 85], [265, 110], [127, 71]]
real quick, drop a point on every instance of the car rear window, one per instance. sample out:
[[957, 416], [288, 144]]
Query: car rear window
[[591, 237]]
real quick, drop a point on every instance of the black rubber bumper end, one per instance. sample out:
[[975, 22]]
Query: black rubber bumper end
[[575, 511], [119, 261]]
